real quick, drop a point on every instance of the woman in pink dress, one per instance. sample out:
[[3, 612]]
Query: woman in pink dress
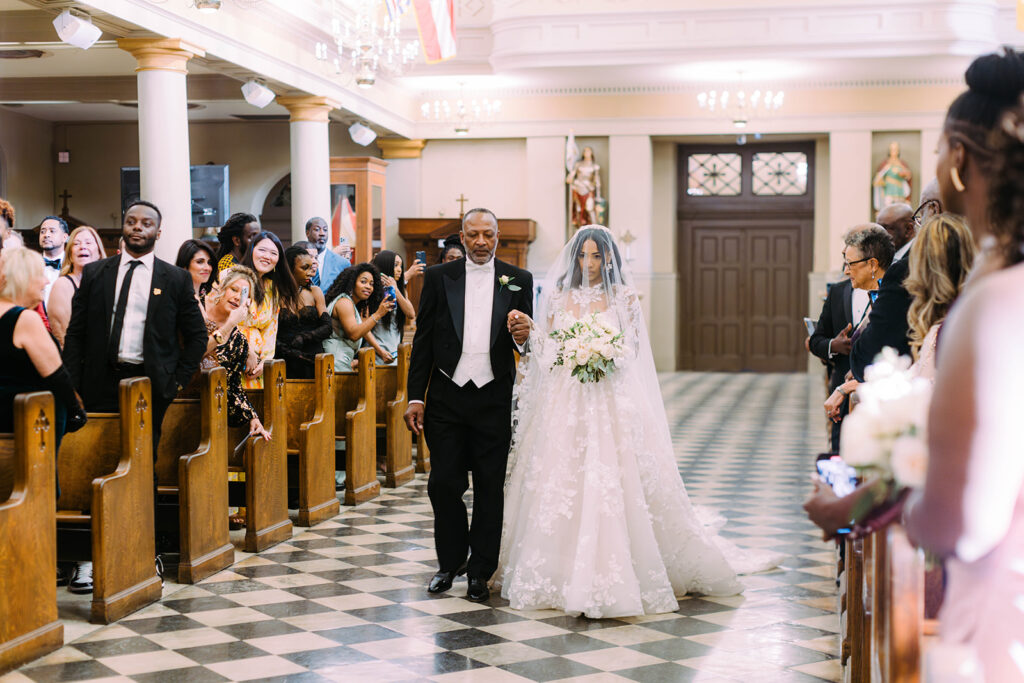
[[971, 509]]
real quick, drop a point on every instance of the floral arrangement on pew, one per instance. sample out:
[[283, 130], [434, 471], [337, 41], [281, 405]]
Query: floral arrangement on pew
[[590, 346], [885, 438]]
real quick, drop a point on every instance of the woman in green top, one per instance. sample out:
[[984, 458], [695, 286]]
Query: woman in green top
[[351, 298], [389, 330]]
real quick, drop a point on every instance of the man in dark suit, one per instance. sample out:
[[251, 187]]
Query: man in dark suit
[[831, 340], [473, 314], [887, 324], [134, 316]]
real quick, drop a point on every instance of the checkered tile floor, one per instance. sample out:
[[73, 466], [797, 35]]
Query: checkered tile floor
[[345, 600]]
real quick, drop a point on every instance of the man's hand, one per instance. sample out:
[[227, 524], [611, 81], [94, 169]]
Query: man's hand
[[519, 325], [414, 418], [841, 342]]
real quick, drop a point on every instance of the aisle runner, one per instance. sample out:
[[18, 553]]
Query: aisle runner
[[345, 600]]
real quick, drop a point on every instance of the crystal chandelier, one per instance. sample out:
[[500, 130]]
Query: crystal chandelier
[[461, 112], [740, 106], [370, 45]]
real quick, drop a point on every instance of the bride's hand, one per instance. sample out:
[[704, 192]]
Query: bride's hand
[[519, 325]]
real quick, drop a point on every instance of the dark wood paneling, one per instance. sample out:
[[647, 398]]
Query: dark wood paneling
[[743, 264]]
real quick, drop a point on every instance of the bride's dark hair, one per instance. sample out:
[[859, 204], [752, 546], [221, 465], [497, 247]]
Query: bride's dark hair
[[608, 251]]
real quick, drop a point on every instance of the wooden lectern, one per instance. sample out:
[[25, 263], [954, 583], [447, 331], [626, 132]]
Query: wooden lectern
[[423, 234]]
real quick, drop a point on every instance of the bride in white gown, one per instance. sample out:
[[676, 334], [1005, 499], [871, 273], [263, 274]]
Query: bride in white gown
[[597, 520]]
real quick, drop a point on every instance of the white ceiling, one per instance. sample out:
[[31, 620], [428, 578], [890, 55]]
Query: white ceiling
[[542, 47]]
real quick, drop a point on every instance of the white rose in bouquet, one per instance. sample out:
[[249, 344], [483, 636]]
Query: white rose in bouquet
[[858, 444], [583, 353], [909, 461]]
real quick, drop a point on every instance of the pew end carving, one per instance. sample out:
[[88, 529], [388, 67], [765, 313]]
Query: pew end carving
[[192, 467], [356, 422], [29, 627], [106, 478], [392, 382], [265, 464], [311, 423]]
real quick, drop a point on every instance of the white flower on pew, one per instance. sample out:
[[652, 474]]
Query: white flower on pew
[[885, 435], [909, 461]]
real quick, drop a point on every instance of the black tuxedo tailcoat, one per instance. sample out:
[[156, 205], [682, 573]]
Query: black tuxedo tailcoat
[[174, 340], [887, 323], [836, 314], [468, 428]]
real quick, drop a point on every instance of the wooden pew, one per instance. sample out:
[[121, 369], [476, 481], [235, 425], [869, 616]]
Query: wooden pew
[[422, 455], [392, 435], [310, 409], [29, 627], [265, 464], [191, 470], [355, 419], [897, 607], [105, 510], [855, 619]]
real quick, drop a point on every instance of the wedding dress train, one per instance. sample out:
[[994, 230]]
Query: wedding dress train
[[597, 520]]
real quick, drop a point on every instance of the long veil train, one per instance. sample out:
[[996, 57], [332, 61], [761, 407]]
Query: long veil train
[[597, 519]]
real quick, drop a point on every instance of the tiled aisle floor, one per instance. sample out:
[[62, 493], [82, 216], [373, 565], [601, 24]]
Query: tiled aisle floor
[[345, 600]]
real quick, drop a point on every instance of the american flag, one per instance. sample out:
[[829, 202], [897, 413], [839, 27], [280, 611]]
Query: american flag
[[397, 8]]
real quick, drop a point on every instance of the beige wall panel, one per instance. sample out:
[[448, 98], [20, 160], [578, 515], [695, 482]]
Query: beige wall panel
[[27, 156]]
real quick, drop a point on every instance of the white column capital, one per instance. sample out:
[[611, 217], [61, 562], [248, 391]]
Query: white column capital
[[161, 54], [307, 107]]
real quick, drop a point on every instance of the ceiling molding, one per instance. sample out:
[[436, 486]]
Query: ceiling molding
[[201, 88]]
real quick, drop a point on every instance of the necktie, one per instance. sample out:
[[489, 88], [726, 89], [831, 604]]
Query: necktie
[[52, 263], [122, 305], [316, 278]]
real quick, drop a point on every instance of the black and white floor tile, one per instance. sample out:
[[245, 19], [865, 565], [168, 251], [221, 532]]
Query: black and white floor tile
[[345, 600]]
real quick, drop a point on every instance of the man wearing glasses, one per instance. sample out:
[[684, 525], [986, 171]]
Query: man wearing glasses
[[887, 322]]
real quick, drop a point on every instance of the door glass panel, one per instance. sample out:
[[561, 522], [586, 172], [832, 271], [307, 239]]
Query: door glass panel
[[714, 175], [779, 174]]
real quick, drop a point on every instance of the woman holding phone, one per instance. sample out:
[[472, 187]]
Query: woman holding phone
[[226, 306], [388, 331], [356, 304]]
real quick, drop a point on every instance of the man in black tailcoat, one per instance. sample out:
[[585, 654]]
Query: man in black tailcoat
[[473, 315]]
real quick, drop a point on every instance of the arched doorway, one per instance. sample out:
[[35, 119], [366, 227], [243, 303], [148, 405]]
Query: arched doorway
[[277, 210]]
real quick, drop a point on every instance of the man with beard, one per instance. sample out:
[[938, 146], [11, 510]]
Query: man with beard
[[328, 264], [127, 318]]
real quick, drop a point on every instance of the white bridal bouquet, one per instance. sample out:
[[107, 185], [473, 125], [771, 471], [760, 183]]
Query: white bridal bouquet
[[885, 435], [590, 347]]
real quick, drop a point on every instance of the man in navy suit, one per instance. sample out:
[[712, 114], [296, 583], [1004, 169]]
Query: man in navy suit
[[328, 264]]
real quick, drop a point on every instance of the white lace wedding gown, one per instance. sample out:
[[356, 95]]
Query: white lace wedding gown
[[597, 520]]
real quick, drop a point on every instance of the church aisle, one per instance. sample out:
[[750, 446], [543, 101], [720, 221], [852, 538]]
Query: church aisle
[[345, 600]]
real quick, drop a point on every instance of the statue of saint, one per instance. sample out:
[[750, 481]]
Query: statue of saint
[[584, 183], [892, 180]]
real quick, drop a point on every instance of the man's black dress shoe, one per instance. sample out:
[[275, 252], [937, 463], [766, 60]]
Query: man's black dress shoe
[[478, 591], [442, 581]]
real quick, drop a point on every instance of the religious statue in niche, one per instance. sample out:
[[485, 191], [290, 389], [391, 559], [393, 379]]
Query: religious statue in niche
[[892, 180], [584, 181]]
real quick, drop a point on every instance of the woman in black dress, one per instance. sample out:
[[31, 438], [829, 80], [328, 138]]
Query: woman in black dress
[[226, 306], [301, 330]]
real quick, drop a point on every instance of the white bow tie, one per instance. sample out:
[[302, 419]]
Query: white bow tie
[[476, 268]]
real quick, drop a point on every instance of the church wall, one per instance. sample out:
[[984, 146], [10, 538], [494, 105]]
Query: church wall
[[490, 173], [27, 156], [664, 322], [258, 154]]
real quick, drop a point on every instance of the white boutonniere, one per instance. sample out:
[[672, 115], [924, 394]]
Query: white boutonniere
[[506, 281]]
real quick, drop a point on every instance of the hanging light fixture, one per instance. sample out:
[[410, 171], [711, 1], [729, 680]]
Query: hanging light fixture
[[208, 6], [370, 45], [740, 106], [460, 112]]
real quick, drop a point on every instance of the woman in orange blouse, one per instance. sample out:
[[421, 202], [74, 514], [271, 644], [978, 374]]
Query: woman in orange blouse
[[274, 286]]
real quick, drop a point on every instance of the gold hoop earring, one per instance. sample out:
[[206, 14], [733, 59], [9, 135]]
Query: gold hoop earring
[[954, 176]]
